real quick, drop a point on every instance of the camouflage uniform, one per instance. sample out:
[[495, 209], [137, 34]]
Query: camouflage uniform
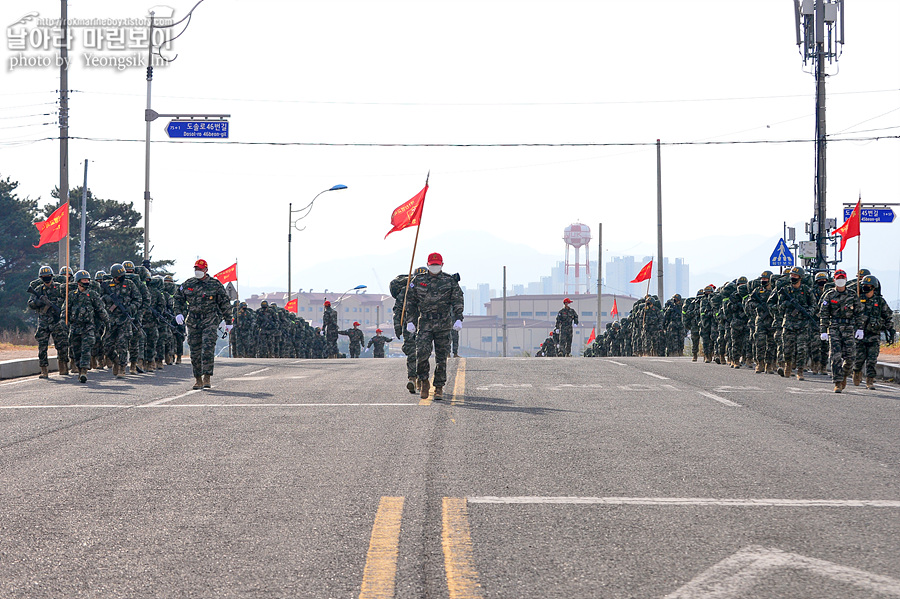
[[204, 304], [548, 348], [454, 342], [267, 324], [818, 349], [690, 317], [120, 329], [398, 292], [330, 327], [840, 315], [179, 333], [245, 325], [708, 328], [138, 340], [434, 303], [674, 326], [50, 323], [758, 307], [356, 340], [564, 320], [379, 342], [86, 314], [792, 302], [877, 317]]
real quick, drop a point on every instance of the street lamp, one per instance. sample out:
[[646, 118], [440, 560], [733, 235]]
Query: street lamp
[[292, 224], [337, 302]]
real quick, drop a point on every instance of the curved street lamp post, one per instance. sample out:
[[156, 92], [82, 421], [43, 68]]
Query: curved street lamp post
[[292, 224]]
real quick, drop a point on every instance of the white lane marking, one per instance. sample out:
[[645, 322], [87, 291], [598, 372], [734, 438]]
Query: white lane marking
[[493, 386], [249, 378], [19, 381], [722, 400], [95, 405], [205, 405], [738, 574], [729, 389], [658, 376], [258, 371], [697, 501], [614, 362], [168, 399], [296, 361], [660, 360], [563, 386]]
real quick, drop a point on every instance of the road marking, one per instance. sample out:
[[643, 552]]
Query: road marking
[[722, 400], [729, 389], [738, 574], [695, 501], [96, 405], [159, 402], [614, 362], [32, 378], [658, 376], [459, 384], [258, 371], [384, 546], [462, 578], [248, 378]]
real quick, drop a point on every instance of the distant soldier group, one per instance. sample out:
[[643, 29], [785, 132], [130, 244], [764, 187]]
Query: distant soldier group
[[782, 324], [123, 320]]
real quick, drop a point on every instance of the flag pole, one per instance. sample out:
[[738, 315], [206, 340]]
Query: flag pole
[[413, 258], [858, 242], [67, 266], [648, 279]]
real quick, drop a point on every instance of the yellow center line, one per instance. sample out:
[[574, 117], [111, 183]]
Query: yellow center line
[[462, 579], [459, 385], [381, 561]]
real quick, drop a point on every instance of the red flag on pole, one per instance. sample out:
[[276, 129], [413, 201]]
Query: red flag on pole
[[850, 228], [645, 273], [227, 275], [592, 337], [291, 306], [408, 213], [615, 310], [55, 227]]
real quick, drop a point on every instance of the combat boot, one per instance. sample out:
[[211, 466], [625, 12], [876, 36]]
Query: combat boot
[[760, 368], [108, 362], [780, 369], [411, 385], [72, 366], [857, 377], [63, 366], [148, 366], [438, 393], [178, 360], [82, 375], [206, 383], [844, 382], [119, 371], [737, 363], [707, 358], [198, 383], [770, 367], [424, 388], [800, 373], [717, 359], [788, 369], [694, 358], [170, 359], [870, 382], [837, 387], [45, 372]]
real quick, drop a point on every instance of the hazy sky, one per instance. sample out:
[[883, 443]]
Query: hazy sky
[[459, 72]]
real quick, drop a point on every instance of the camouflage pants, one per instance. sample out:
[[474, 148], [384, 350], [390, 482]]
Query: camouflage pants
[[867, 353], [354, 350], [454, 341], [721, 339], [739, 335], [706, 336], [266, 345], [425, 340], [675, 342], [695, 341], [116, 341], [818, 350], [151, 336], [60, 335], [331, 338], [779, 345], [81, 340], [179, 342], [565, 341], [795, 346], [843, 349], [409, 348], [137, 341], [202, 343], [765, 344]]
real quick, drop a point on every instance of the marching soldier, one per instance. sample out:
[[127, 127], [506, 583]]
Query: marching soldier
[[564, 320], [122, 299], [86, 314], [330, 328], [795, 300], [841, 323], [379, 342], [47, 299], [877, 317]]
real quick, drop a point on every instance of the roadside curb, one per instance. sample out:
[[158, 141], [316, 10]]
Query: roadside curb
[[887, 370], [11, 369]]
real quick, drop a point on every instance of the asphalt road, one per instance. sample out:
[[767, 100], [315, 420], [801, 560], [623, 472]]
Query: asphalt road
[[619, 477]]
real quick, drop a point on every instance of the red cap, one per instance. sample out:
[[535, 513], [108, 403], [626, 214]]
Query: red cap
[[567, 301], [201, 264], [356, 324], [377, 330], [327, 303], [839, 273], [435, 258]]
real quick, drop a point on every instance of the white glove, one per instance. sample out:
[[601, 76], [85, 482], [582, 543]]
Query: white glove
[[859, 334], [411, 327], [228, 328], [457, 325], [179, 318], [824, 336], [556, 331]]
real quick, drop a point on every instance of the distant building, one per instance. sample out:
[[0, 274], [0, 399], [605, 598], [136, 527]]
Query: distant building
[[621, 270], [371, 310]]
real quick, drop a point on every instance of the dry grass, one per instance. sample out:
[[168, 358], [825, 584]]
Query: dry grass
[[17, 340]]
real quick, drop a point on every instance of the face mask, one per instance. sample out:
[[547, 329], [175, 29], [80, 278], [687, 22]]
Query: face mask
[[840, 282], [46, 279], [794, 281], [867, 289], [434, 268], [199, 274]]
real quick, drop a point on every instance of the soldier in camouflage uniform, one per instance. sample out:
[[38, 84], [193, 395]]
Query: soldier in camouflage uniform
[[818, 349], [548, 347], [434, 307], [138, 340], [626, 337], [330, 328], [708, 329], [179, 333], [266, 323], [97, 357], [204, 300], [841, 322], [690, 316], [565, 318], [149, 321], [795, 303], [86, 314], [122, 299], [47, 298], [877, 317], [379, 342], [674, 324], [244, 328], [758, 308], [356, 339], [398, 291]]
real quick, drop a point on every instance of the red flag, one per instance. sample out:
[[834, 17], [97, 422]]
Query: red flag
[[408, 213], [592, 337], [615, 310], [227, 275], [645, 273], [55, 227], [850, 228], [291, 306]]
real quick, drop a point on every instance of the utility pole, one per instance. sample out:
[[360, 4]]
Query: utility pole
[[659, 249], [64, 119], [290, 226], [83, 216], [599, 273], [504, 312]]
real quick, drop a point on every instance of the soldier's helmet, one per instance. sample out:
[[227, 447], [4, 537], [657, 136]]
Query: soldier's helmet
[[45, 271], [420, 271], [869, 281], [699, 292], [129, 266], [728, 287], [65, 271], [743, 289], [766, 274], [116, 270], [98, 276], [821, 278], [797, 270], [168, 279], [141, 272], [742, 281], [82, 275], [677, 296], [264, 304], [863, 272], [156, 281], [243, 304], [274, 305]]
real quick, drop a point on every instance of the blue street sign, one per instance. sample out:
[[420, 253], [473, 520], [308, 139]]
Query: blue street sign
[[782, 255], [872, 215], [198, 129]]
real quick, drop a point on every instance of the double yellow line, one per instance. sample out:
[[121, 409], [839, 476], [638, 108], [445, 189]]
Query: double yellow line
[[459, 387], [380, 573]]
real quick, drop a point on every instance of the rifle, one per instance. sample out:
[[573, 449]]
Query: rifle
[[43, 300], [161, 317], [117, 302], [793, 302]]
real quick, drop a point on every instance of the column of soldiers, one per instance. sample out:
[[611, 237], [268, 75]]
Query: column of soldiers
[[784, 324], [122, 320]]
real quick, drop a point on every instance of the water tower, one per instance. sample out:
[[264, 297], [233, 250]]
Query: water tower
[[577, 236]]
